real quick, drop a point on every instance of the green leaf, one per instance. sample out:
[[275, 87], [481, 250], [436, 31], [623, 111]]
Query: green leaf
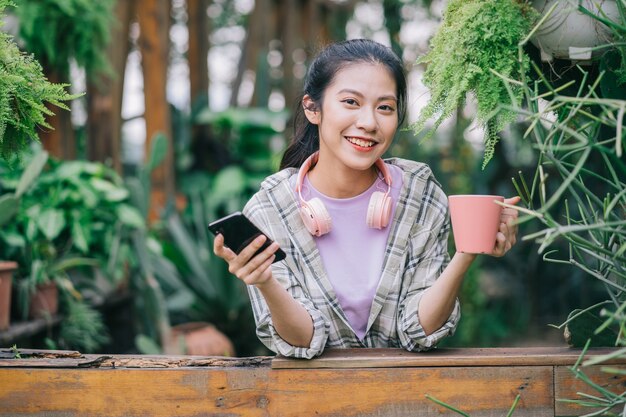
[[72, 262], [73, 169], [13, 239], [146, 345], [111, 191], [180, 301], [9, 207], [31, 173], [158, 150], [84, 191], [51, 222], [130, 216], [80, 235], [229, 182]]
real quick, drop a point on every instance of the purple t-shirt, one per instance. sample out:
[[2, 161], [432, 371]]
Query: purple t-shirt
[[352, 252]]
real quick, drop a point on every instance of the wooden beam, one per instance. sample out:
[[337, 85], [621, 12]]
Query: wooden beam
[[367, 382]]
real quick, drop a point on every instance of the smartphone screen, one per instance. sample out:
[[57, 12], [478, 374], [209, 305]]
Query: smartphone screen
[[239, 231]]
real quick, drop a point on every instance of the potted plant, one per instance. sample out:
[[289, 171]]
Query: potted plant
[[477, 48]]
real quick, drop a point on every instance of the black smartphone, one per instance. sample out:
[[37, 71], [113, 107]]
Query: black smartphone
[[239, 231]]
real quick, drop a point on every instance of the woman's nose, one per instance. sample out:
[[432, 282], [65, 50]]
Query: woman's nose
[[366, 120]]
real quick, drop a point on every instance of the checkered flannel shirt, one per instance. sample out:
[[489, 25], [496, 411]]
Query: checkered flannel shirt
[[415, 256]]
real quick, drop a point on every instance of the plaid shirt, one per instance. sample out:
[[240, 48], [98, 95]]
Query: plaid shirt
[[415, 256]]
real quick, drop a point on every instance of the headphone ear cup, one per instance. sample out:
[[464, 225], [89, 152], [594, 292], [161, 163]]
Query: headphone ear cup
[[379, 210], [315, 217]]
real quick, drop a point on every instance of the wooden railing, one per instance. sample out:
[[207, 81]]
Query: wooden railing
[[361, 382]]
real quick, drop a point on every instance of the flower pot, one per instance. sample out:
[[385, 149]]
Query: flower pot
[[6, 278], [45, 301], [198, 338], [569, 34]]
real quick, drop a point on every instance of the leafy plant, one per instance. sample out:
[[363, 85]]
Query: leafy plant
[[206, 290], [477, 39], [24, 92], [579, 141], [81, 26], [67, 216]]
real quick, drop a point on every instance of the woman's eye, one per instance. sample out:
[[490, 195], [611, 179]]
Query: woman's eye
[[350, 101], [386, 107]]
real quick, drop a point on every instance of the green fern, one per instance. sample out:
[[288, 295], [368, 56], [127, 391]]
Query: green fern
[[475, 37], [58, 31], [24, 92], [83, 327]]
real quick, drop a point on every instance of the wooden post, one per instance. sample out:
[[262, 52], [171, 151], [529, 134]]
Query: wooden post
[[154, 23], [60, 142], [198, 26], [104, 97]]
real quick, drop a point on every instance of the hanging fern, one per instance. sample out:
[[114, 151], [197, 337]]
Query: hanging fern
[[58, 31], [24, 90], [475, 37]]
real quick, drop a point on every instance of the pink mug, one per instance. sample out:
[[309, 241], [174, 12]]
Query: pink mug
[[475, 221]]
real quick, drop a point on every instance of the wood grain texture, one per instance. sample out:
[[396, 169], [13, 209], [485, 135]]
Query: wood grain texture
[[568, 387], [262, 391], [363, 383], [370, 358]]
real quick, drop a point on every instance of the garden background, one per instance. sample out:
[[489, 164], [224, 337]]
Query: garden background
[[178, 110]]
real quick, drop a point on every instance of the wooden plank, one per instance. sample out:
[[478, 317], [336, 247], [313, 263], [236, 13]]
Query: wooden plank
[[568, 387], [395, 392], [372, 358], [262, 391], [136, 392]]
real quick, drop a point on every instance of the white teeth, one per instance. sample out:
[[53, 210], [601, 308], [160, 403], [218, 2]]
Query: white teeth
[[361, 142]]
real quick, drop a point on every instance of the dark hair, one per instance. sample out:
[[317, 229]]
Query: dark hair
[[321, 73]]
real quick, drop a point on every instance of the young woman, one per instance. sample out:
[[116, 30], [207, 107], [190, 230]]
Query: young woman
[[366, 239]]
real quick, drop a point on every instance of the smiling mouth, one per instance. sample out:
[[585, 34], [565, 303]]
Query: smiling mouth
[[361, 142]]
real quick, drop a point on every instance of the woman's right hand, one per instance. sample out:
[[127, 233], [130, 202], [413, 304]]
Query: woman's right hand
[[251, 270]]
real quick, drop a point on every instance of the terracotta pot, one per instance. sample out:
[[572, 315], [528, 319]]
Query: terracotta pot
[[6, 278], [197, 338], [45, 301]]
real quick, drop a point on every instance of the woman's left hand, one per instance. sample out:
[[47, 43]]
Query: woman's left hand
[[507, 234]]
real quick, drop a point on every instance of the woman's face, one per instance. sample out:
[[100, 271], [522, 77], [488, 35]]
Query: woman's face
[[358, 118]]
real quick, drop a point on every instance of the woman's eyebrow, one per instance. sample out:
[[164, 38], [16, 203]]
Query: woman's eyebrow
[[357, 93]]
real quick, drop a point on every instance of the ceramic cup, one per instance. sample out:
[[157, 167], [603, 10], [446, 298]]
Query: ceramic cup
[[475, 221]]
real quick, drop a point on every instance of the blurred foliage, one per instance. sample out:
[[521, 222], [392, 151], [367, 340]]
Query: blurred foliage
[[200, 288], [67, 218], [24, 93], [58, 32]]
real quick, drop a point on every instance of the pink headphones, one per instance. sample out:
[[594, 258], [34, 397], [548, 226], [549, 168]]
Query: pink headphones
[[315, 216]]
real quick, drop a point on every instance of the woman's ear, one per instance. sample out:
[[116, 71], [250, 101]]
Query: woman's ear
[[311, 111]]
